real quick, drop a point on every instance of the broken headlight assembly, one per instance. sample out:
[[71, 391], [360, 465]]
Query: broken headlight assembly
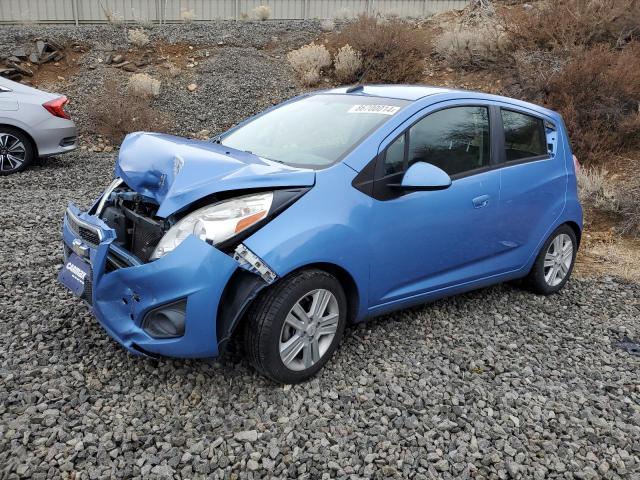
[[217, 223]]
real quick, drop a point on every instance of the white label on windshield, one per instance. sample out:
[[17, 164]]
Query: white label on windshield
[[381, 109]]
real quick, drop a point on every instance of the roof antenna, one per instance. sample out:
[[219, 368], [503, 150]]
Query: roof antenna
[[355, 88]]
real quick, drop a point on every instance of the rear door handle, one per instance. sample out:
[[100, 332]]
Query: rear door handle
[[481, 201]]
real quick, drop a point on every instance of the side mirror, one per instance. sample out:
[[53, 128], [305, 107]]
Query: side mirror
[[424, 176]]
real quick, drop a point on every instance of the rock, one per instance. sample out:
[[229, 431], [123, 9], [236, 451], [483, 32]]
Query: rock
[[253, 465], [19, 52], [118, 58], [48, 57], [41, 47], [246, 436], [55, 45], [129, 67], [192, 87], [22, 70], [34, 58]]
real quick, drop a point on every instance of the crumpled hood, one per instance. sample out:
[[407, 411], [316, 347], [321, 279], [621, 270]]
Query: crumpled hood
[[176, 171]]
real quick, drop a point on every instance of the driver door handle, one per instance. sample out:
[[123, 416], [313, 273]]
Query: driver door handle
[[481, 201]]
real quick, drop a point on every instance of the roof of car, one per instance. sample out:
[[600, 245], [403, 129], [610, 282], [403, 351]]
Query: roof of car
[[413, 93], [402, 92]]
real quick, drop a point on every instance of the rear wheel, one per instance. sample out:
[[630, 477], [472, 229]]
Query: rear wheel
[[294, 328], [16, 151], [554, 264]]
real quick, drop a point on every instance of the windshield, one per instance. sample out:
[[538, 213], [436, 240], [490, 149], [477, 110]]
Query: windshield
[[314, 131]]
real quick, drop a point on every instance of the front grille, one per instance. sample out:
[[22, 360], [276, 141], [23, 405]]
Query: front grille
[[91, 235]]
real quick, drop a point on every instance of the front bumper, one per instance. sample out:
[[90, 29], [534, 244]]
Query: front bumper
[[120, 298]]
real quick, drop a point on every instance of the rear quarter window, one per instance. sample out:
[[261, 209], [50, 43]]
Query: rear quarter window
[[524, 136]]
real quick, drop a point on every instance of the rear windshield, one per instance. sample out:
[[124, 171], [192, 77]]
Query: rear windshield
[[314, 131]]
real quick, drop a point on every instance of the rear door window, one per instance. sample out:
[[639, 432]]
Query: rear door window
[[524, 136]]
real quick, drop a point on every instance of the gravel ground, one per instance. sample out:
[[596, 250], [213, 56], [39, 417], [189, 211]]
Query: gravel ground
[[494, 384], [241, 67]]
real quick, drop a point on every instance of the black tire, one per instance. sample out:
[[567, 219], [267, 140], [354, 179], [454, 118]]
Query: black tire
[[536, 281], [266, 317], [29, 151]]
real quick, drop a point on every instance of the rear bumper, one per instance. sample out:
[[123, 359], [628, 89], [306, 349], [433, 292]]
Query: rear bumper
[[55, 137], [121, 298]]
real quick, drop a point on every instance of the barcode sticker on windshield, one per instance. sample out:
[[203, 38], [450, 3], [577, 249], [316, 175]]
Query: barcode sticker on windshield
[[382, 109]]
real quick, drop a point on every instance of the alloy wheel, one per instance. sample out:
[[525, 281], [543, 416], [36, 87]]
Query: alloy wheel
[[558, 259], [309, 329], [12, 152]]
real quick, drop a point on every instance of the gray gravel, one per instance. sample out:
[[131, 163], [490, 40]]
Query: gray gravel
[[494, 384], [241, 67]]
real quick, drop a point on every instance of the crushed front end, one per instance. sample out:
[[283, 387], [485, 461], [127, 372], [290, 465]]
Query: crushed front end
[[167, 306]]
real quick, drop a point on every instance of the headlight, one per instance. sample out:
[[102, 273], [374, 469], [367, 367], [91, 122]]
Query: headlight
[[217, 223]]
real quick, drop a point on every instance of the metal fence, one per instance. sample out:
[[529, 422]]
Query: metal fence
[[161, 11]]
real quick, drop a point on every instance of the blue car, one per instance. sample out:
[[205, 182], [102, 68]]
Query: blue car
[[331, 208]]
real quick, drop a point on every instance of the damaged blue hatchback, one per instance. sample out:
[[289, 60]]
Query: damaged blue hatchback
[[330, 208]]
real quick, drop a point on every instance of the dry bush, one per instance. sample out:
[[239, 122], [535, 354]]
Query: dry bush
[[261, 12], [347, 63], [327, 25], [114, 115], [138, 37], [563, 24], [629, 208], [471, 47], [596, 190], [308, 61], [393, 51], [187, 16], [343, 14], [143, 85], [598, 95]]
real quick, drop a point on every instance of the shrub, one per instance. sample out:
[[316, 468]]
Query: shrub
[[138, 37], [565, 24], [187, 16], [343, 14], [392, 51], [261, 12], [596, 190], [143, 85], [629, 208], [347, 63], [598, 93], [327, 25], [115, 115], [471, 48], [307, 62]]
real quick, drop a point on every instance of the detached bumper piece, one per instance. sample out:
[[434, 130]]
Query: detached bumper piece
[[166, 307], [251, 262]]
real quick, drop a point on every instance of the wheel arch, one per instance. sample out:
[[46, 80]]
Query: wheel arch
[[346, 280], [244, 288], [34, 145], [576, 229]]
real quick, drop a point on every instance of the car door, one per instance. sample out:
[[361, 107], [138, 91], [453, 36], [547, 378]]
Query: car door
[[424, 241], [533, 183]]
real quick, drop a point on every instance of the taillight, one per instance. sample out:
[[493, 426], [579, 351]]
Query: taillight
[[56, 107], [576, 164]]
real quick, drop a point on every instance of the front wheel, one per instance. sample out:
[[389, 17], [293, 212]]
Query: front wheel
[[295, 327], [554, 263]]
